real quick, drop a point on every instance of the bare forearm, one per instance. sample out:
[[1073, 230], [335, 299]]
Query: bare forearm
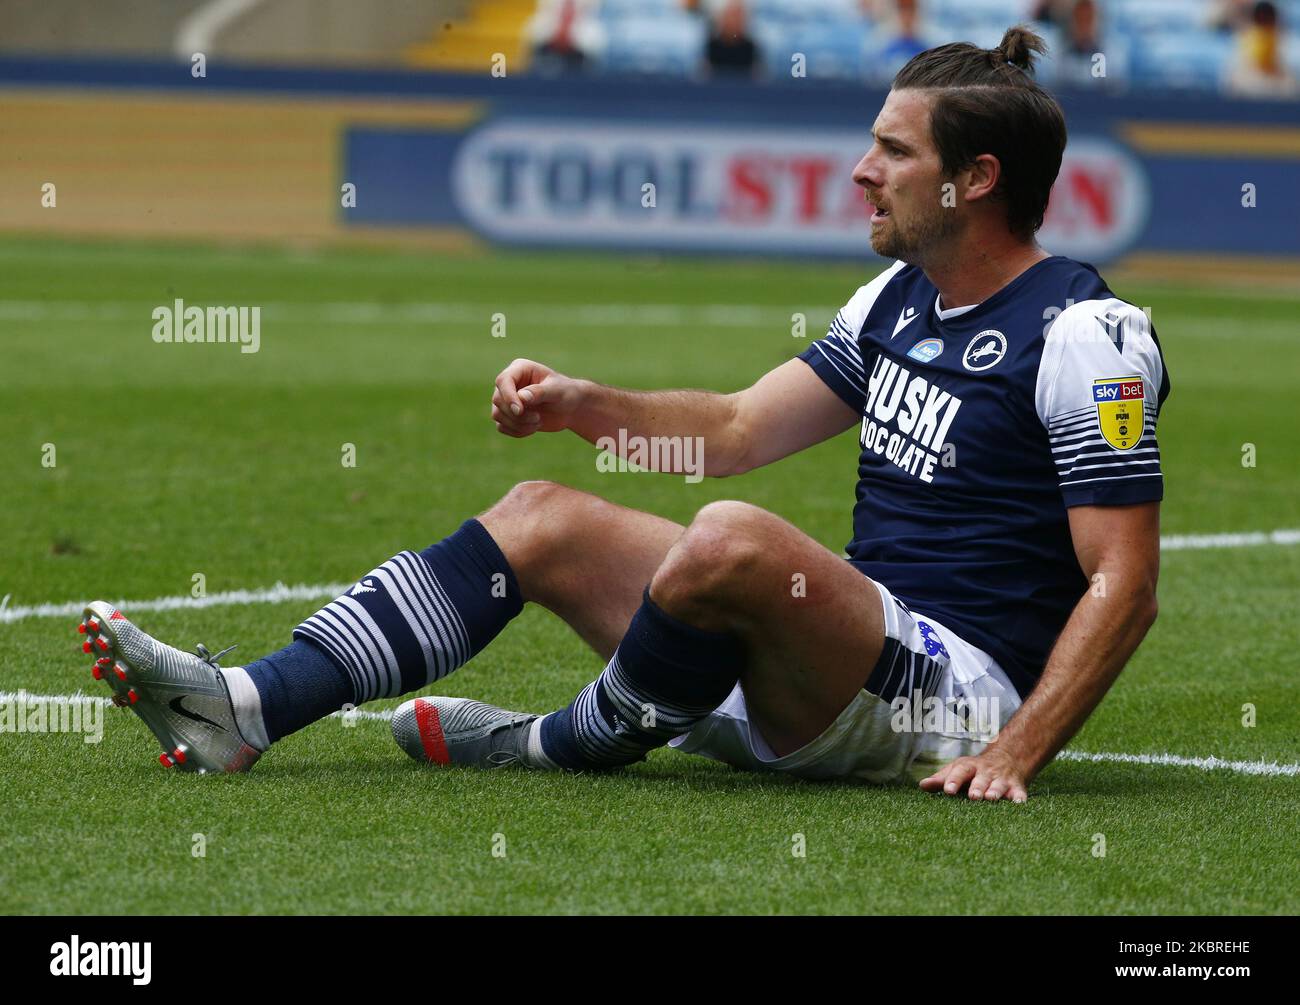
[[618, 414], [1099, 638], [1118, 548]]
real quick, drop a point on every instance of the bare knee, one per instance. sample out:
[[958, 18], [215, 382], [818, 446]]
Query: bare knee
[[530, 521], [703, 577], [528, 500]]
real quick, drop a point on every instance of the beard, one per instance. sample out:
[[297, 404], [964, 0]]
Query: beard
[[914, 238]]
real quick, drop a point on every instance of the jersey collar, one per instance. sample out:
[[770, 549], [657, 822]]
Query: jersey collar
[[999, 297], [952, 312]]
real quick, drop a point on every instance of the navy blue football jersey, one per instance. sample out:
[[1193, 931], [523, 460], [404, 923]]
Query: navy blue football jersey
[[980, 427]]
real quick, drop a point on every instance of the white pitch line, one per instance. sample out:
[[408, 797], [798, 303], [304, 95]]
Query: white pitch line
[[579, 315], [1183, 542], [445, 312], [1204, 763], [277, 594], [1262, 768], [280, 593]]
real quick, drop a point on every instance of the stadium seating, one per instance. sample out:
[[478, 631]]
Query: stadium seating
[[1182, 60], [829, 51], [615, 10], [807, 10], [671, 43], [468, 44], [1158, 16], [956, 15], [1148, 43]]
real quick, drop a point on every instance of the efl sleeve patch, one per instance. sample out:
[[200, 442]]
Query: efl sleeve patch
[[1120, 413], [1098, 398]]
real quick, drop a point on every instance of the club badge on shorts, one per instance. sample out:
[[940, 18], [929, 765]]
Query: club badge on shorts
[[1119, 410]]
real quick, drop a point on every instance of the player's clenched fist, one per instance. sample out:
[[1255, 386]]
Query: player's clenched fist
[[530, 397]]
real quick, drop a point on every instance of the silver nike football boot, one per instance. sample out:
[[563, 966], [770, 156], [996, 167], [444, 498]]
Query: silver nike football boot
[[181, 696], [462, 731]]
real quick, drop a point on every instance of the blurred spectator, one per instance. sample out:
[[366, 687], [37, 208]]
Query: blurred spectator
[[731, 51], [1081, 44], [1231, 15], [901, 30], [1073, 60], [1051, 12], [565, 35], [906, 31], [1258, 70]]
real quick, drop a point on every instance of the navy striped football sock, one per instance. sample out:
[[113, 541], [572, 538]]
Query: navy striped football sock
[[403, 626], [665, 677], [284, 691]]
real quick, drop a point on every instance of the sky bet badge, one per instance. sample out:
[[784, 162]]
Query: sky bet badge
[[1119, 410]]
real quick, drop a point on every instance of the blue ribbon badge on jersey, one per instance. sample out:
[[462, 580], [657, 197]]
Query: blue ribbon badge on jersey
[[933, 644], [1119, 403], [926, 350]]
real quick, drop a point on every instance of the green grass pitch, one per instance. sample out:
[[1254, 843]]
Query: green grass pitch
[[173, 460]]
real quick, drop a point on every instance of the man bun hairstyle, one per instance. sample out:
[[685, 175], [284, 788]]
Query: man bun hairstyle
[[986, 101], [1018, 46]]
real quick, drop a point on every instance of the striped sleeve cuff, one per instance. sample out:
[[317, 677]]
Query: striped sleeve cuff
[[837, 360], [1091, 471]]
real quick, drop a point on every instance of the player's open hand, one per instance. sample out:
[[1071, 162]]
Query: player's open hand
[[531, 397], [993, 775]]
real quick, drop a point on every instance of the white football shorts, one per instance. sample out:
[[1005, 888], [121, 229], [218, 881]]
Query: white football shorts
[[931, 697]]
